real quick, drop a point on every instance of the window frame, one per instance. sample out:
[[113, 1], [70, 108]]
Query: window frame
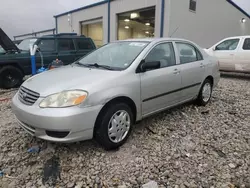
[[55, 42], [244, 44], [197, 51], [159, 43], [58, 39], [215, 47]]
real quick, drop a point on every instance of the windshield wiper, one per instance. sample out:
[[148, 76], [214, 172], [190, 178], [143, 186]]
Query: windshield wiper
[[98, 66]]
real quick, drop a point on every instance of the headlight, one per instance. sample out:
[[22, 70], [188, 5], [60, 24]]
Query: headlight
[[64, 99]]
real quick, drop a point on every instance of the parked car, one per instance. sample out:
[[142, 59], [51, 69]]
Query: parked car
[[103, 94], [15, 63], [233, 54]]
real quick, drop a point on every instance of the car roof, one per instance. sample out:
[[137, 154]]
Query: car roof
[[156, 40], [241, 36]]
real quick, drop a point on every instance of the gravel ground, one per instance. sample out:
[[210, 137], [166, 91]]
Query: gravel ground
[[188, 146]]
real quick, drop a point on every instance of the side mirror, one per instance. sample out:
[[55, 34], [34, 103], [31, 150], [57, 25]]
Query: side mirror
[[150, 65], [214, 48]]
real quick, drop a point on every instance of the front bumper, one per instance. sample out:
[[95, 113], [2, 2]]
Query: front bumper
[[76, 123]]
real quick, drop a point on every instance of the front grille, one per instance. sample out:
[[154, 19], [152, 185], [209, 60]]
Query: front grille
[[27, 96]]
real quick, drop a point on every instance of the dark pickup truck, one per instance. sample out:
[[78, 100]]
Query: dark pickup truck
[[15, 60]]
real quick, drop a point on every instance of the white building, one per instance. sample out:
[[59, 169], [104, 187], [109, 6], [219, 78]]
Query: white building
[[202, 21]]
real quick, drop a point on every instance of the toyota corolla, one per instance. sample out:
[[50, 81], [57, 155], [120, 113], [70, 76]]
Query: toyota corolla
[[105, 93]]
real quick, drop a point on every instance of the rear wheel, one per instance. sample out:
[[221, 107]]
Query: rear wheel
[[114, 126], [10, 77], [205, 93]]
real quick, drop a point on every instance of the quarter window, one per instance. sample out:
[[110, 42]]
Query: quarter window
[[230, 44], [65, 45], [164, 53], [47, 45], [246, 45], [188, 53]]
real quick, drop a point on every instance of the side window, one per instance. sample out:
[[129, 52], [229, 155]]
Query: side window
[[164, 53], [83, 44], [192, 5], [47, 45], [65, 45], [246, 45], [188, 53], [230, 44]]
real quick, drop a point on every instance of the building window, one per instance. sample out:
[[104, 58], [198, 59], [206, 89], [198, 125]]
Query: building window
[[94, 30], [192, 5], [136, 24]]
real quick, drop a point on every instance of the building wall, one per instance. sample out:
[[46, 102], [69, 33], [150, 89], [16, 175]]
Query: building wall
[[100, 11], [121, 6], [213, 21]]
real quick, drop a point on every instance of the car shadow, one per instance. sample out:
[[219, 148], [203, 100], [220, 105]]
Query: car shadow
[[243, 76]]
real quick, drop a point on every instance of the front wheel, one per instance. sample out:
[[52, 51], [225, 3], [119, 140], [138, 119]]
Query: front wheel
[[10, 77], [114, 126], [205, 93]]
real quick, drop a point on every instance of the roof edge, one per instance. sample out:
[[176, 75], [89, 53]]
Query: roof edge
[[82, 8], [239, 8], [27, 34]]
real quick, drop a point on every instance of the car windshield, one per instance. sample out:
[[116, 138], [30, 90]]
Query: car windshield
[[25, 44], [118, 55]]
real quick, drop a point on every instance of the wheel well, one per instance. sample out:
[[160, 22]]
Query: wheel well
[[13, 65], [211, 79], [125, 100]]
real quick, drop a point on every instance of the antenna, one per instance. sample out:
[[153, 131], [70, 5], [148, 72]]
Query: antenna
[[174, 32]]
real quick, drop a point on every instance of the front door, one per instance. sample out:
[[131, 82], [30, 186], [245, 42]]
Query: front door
[[225, 52], [66, 50], [192, 68], [242, 58], [160, 87]]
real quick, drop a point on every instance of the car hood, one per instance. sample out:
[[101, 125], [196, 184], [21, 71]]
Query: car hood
[[6, 42], [66, 78]]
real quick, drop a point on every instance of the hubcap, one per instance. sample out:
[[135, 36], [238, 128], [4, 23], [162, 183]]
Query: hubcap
[[206, 92], [119, 126]]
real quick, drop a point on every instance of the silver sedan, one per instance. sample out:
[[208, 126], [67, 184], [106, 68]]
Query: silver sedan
[[105, 93]]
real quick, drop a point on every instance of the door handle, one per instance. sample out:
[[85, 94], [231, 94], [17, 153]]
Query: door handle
[[176, 71], [202, 65]]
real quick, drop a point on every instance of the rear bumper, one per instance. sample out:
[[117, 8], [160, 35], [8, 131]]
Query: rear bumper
[[58, 124]]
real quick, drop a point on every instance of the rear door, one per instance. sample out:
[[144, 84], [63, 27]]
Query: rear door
[[226, 52], [48, 53], [160, 87], [66, 50], [83, 46], [192, 67], [242, 58]]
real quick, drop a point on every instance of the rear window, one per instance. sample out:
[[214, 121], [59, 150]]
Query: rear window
[[84, 44]]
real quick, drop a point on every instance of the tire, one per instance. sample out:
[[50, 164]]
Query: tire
[[204, 97], [10, 77], [103, 130]]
